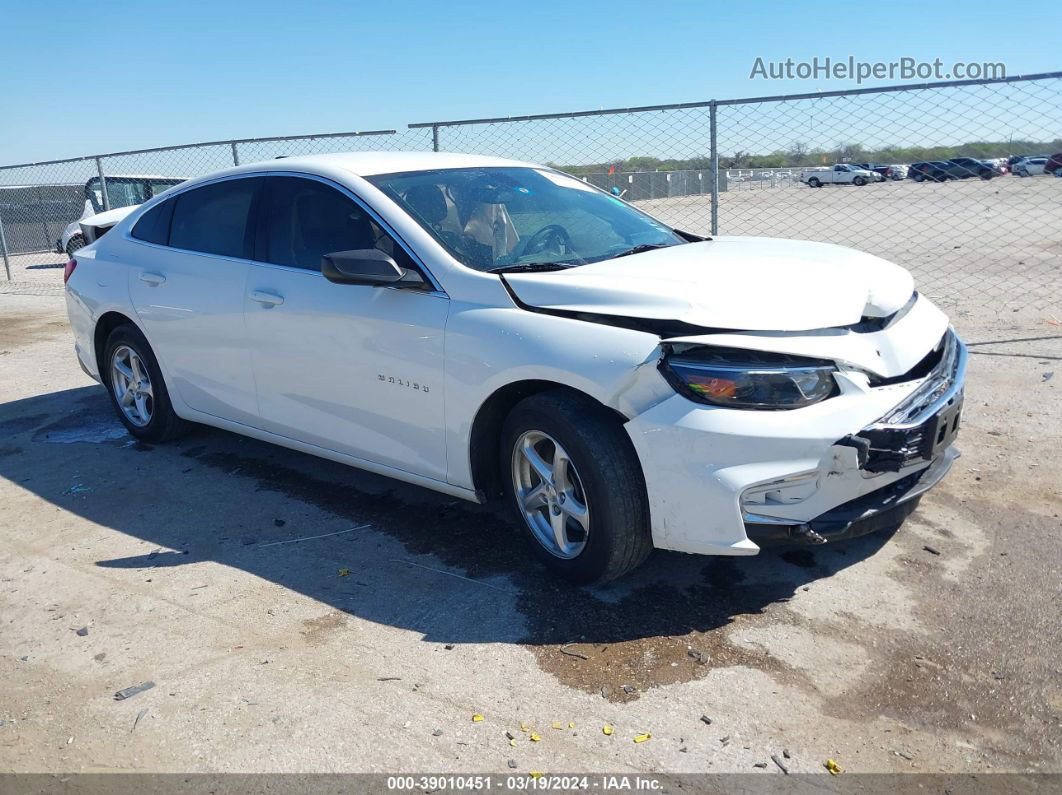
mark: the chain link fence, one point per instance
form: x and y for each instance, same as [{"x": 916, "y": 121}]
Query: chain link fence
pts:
[{"x": 945, "y": 195}]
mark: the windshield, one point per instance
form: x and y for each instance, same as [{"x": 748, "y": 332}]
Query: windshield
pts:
[{"x": 491, "y": 218}]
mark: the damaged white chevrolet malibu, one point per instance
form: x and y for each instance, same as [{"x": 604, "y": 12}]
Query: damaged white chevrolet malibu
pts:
[{"x": 489, "y": 328}]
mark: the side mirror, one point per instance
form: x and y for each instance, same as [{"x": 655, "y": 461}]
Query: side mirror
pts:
[{"x": 366, "y": 266}]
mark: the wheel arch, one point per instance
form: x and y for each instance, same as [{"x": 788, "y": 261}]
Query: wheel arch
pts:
[
  {"x": 107, "y": 323},
  {"x": 487, "y": 426}
]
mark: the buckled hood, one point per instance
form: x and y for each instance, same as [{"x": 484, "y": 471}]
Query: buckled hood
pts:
[{"x": 739, "y": 283}]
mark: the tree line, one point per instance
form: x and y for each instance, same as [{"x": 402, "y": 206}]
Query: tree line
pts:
[{"x": 799, "y": 154}]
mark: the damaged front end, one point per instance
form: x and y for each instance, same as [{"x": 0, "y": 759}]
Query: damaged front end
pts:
[{"x": 800, "y": 438}]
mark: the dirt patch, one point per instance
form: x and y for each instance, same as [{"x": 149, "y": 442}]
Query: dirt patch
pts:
[
  {"x": 26, "y": 328},
  {"x": 319, "y": 630}
]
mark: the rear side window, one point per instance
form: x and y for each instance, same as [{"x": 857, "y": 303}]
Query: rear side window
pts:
[
  {"x": 154, "y": 225},
  {"x": 213, "y": 219},
  {"x": 302, "y": 220}
]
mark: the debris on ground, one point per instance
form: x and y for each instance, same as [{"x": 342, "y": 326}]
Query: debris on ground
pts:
[
  {"x": 760, "y": 765},
  {"x": 725, "y": 741},
  {"x": 129, "y": 692},
  {"x": 557, "y": 725},
  {"x": 606, "y": 730},
  {"x": 344, "y": 572},
  {"x": 437, "y": 733},
  {"x": 509, "y": 735},
  {"x": 571, "y": 724},
  {"x": 279, "y": 523},
  {"x": 389, "y": 679},
  {"x": 564, "y": 650},
  {"x": 139, "y": 716},
  {"x": 834, "y": 768},
  {"x": 701, "y": 657},
  {"x": 449, "y": 647},
  {"x": 524, "y": 727},
  {"x": 706, "y": 720},
  {"x": 477, "y": 718},
  {"x": 536, "y": 774},
  {"x": 81, "y": 632},
  {"x": 628, "y": 689},
  {"x": 641, "y": 738},
  {"x": 931, "y": 550},
  {"x": 785, "y": 753},
  {"x": 535, "y": 737},
  {"x": 512, "y": 764},
  {"x": 777, "y": 761},
  {"x": 1049, "y": 375}
]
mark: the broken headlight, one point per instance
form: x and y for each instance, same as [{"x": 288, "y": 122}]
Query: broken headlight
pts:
[{"x": 748, "y": 379}]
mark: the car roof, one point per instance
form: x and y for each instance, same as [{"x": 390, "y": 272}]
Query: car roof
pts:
[{"x": 365, "y": 164}]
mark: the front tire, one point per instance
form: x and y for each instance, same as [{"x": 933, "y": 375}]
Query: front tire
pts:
[
  {"x": 859, "y": 181},
  {"x": 133, "y": 379},
  {"x": 576, "y": 485}
]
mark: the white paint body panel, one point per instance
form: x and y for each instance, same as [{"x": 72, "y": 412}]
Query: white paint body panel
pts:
[{"x": 306, "y": 373}]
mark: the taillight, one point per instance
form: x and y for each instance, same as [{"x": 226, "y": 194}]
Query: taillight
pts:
[{"x": 68, "y": 271}]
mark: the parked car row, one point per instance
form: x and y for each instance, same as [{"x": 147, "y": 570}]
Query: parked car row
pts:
[{"x": 1034, "y": 165}]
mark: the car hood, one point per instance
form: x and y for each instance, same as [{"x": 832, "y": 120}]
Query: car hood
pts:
[
  {"x": 739, "y": 283},
  {"x": 108, "y": 217}
]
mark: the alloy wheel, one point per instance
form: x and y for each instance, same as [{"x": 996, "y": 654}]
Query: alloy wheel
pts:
[
  {"x": 132, "y": 386},
  {"x": 550, "y": 494}
]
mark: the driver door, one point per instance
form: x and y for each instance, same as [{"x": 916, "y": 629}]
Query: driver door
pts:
[{"x": 356, "y": 369}]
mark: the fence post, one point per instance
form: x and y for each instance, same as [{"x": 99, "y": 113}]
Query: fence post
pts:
[
  {"x": 3, "y": 248},
  {"x": 714, "y": 184},
  {"x": 435, "y": 138},
  {"x": 235, "y": 154},
  {"x": 103, "y": 184}
]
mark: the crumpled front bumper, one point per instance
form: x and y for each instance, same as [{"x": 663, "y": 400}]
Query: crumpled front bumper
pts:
[
  {"x": 885, "y": 508},
  {"x": 724, "y": 482}
]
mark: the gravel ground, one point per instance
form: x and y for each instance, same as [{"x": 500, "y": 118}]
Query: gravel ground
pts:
[{"x": 935, "y": 649}]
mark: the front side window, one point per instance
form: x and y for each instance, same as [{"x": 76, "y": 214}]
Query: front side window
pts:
[
  {"x": 490, "y": 218},
  {"x": 303, "y": 219},
  {"x": 213, "y": 219}
]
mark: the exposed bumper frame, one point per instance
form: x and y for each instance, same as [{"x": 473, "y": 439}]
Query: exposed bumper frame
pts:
[{"x": 885, "y": 508}]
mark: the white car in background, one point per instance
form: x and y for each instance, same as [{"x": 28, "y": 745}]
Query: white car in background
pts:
[
  {"x": 1029, "y": 166},
  {"x": 123, "y": 191},
  {"x": 489, "y": 328},
  {"x": 840, "y": 174}
]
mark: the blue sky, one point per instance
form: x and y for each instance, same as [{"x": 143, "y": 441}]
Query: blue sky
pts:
[{"x": 130, "y": 75}]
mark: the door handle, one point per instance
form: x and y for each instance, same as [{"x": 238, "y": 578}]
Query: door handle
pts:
[
  {"x": 266, "y": 299},
  {"x": 154, "y": 279}
]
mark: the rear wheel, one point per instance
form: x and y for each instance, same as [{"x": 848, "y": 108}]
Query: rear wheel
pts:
[
  {"x": 814, "y": 183},
  {"x": 131, "y": 374},
  {"x": 919, "y": 177},
  {"x": 577, "y": 487},
  {"x": 75, "y": 243},
  {"x": 985, "y": 174}
]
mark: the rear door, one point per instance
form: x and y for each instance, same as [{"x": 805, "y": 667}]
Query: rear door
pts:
[
  {"x": 188, "y": 290},
  {"x": 351, "y": 368}
]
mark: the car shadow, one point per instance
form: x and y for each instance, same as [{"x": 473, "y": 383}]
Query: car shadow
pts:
[{"x": 385, "y": 552}]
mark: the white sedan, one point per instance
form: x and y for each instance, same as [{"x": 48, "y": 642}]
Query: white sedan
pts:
[
  {"x": 1030, "y": 166},
  {"x": 489, "y": 328}
]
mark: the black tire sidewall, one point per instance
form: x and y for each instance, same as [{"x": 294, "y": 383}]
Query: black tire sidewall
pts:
[
  {"x": 163, "y": 417},
  {"x": 616, "y": 508}
]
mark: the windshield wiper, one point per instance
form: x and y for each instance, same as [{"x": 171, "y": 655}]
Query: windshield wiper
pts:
[
  {"x": 532, "y": 267},
  {"x": 643, "y": 247}
]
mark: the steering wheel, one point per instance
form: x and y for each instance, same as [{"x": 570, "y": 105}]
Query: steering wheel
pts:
[{"x": 544, "y": 238}]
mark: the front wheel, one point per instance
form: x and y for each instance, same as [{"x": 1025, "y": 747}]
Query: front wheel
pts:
[
  {"x": 577, "y": 487},
  {"x": 860, "y": 181},
  {"x": 133, "y": 379},
  {"x": 919, "y": 178},
  {"x": 985, "y": 174}
]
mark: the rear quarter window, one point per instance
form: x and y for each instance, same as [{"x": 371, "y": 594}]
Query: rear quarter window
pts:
[{"x": 154, "y": 225}]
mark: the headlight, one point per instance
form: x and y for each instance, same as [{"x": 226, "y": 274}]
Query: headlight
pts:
[{"x": 749, "y": 380}]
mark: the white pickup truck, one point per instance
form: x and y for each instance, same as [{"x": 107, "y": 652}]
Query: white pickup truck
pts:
[{"x": 840, "y": 174}]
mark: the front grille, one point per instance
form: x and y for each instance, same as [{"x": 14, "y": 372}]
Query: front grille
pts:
[{"x": 921, "y": 425}]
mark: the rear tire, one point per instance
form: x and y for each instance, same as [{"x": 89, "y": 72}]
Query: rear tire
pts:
[
  {"x": 75, "y": 243},
  {"x": 138, "y": 393},
  {"x": 599, "y": 478},
  {"x": 814, "y": 183},
  {"x": 985, "y": 175},
  {"x": 919, "y": 178}
]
